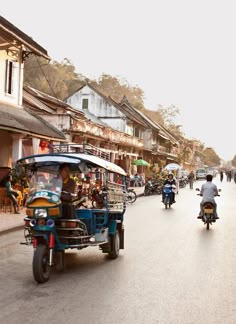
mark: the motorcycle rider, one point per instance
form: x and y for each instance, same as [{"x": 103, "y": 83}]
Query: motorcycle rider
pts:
[
  {"x": 208, "y": 192},
  {"x": 170, "y": 181}
]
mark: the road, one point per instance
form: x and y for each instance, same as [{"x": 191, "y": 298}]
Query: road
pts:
[{"x": 171, "y": 271}]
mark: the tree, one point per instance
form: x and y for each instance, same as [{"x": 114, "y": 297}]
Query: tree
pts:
[
  {"x": 168, "y": 114},
  {"x": 210, "y": 157},
  {"x": 58, "y": 79},
  {"x": 234, "y": 161},
  {"x": 118, "y": 88}
]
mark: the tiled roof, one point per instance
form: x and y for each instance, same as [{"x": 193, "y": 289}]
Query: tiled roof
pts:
[
  {"x": 112, "y": 102},
  {"x": 29, "y": 99},
  {"x": 51, "y": 102},
  {"x": 133, "y": 113},
  {"x": 22, "y": 120}
]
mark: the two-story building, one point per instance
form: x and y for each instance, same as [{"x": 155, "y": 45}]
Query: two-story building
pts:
[
  {"x": 83, "y": 129},
  {"x": 20, "y": 130},
  {"x": 158, "y": 144}
]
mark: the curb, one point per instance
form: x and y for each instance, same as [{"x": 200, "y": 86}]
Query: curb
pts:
[
  {"x": 140, "y": 195},
  {"x": 11, "y": 229}
]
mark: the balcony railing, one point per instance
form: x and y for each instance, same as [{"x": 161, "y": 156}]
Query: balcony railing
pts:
[
  {"x": 164, "y": 150},
  {"x": 81, "y": 148}
]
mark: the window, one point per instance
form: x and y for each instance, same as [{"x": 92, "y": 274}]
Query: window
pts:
[
  {"x": 85, "y": 104},
  {"x": 9, "y": 77},
  {"x": 136, "y": 132}
]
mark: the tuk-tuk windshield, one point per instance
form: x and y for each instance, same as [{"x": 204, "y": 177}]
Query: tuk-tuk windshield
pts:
[{"x": 43, "y": 181}]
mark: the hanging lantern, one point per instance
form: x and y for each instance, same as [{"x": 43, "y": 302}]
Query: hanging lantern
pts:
[{"x": 43, "y": 145}]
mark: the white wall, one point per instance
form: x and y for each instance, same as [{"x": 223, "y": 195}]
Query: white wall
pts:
[
  {"x": 99, "y": 107},
  {"x": 16, "y": 97}
]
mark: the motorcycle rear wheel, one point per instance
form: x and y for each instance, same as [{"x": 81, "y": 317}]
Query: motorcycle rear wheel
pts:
[
  {"x": 146, "y": 192},
  {"x": 131, "y": 196}
]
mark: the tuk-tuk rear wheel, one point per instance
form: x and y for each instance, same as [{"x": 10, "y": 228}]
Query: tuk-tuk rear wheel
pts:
[
  {"x": 41, "y": 268},
  {"x": 115, "y": 246}
]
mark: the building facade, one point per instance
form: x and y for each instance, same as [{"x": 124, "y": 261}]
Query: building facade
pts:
[{"x": 19, "y": 129}]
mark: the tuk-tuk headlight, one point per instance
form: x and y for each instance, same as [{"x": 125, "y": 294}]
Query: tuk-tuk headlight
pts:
[
  {"x": 50, "y": 223},
  {"x": 33, "y": 222},
  {"x": 40, "y": 213}
]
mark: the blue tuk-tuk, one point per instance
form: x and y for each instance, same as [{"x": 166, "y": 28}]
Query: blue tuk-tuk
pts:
[{"x": 50, "y": 231}]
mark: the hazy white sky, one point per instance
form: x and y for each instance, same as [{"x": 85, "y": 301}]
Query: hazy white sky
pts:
[{"x": 179, "y": 52}]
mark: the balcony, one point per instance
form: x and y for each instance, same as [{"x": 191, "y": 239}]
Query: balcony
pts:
[{"x": 162, "y": 150}]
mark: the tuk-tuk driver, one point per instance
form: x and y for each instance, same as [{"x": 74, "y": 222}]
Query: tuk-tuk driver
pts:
[{"x": 68, "y": 184}]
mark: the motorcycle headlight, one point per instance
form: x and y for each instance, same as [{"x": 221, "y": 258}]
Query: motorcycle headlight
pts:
[{"x": 40, "y": 213}]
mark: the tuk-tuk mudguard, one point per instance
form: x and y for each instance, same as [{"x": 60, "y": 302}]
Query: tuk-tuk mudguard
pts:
[
  {"x": 112, "y": 227},
  {"x": 42, "y": 237}
]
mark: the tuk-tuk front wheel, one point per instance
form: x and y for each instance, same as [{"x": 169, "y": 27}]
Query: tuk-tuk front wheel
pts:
[
  {"x": 41, "y": 268},
  {"x": 115, "y": 246}
]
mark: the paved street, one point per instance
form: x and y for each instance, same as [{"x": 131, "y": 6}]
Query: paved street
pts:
[{"x": 172, "y": 271}]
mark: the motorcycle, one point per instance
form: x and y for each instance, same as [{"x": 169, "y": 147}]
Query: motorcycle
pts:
[
  {"x": 98, "y": 198},
  {"x": 131, "y": 196},
  {"x": 183, "y": 182},
  {"x": 152, "y": 187},
  {"x": 208, "y": 212},
  {"x": 168, "y": 195}
]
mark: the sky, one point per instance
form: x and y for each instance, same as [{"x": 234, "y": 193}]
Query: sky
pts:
[{"x": 180, "y": 52}]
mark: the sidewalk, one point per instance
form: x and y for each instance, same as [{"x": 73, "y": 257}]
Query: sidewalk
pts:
[{"x": 10, "y": 222}]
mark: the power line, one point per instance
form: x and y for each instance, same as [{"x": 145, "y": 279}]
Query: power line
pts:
[
  {"x": 40, "y": 66},
  {"x": 46, "y": 78}
]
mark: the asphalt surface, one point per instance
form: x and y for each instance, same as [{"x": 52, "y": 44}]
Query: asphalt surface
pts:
[{"x": 172, "y": 271}]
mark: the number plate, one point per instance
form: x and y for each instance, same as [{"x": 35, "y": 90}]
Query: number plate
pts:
[{"x": 208, "y": 210}]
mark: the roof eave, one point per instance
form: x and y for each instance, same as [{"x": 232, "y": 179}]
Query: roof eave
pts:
[{"x": 33, "y": 46}]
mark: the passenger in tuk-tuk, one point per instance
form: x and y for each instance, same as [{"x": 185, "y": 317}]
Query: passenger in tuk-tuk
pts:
[{"x": 68, "y": 186}]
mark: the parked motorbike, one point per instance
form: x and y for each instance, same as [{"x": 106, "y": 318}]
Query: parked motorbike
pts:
[
  {"x": 168, "y": 195},
  {"x": 98, "y": 198},
  {"x": 152, "y": 187},
  {"x": 208, "y": 212},
  {"x": 183, "y": 182},
  {"x": 131, "y": 196}
]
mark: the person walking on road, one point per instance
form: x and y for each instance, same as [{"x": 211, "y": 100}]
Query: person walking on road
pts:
[
  {"x": 191, "y": 179},
  {"x": 221, "y": 176}
]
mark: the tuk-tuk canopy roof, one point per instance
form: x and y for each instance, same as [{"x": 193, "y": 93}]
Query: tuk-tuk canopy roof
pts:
[{"x": 75, "y": 160}]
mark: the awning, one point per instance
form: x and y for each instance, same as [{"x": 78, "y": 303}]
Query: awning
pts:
[
  {"x": 21, "y": 120},
  {"x": 51, "y": 160}
]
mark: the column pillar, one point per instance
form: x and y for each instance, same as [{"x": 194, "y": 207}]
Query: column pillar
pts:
[
  {"x": 35, "y": 145},
  {"x": 16, "y": 147}
]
